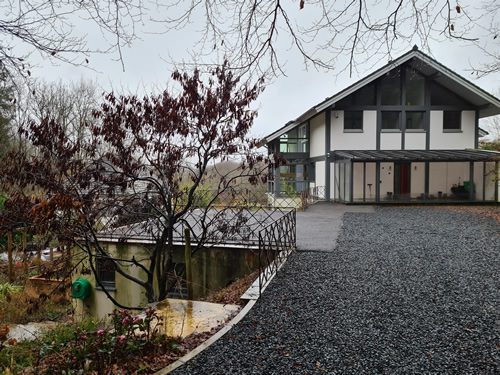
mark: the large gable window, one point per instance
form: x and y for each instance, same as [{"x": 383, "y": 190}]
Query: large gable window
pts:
[
  {"x": 296, "y": 140},
  {"x": 415, "y": 88},
  {"x": 390, "y": 88},
  {"x": 353, "y": 121}
]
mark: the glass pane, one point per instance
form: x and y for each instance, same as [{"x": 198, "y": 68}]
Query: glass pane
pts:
[
  {"x": 390, "y": 120},
  {"x": 391, "y": 88},
  {"x": 365, "y": 95},
  {"x": 415, "y": 88},
  {"x": 353, "y": 120},
  {"x": 442, "y": 96},
  {"x": 414, "y": 120},
  {"x": 451, "y": 120}
]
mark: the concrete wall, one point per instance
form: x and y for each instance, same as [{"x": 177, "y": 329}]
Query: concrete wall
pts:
[{"x": 213, "y": 269}]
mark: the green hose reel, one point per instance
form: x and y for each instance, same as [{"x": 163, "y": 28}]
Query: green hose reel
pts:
[{"x": 80, "y": 289}]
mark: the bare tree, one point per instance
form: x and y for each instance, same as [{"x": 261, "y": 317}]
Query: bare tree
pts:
[
  {"x": 138, "y": 151},
  {"x": 254, "y": 35},
  {"x": 53, "y": 29}
]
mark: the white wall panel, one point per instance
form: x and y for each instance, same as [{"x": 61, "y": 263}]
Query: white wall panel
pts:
[
  {"x": 390, "y": 141},
  {"x": 365, "y": 140},
  {"x": 452, "y": 140},
  {"x": 317, "y": 135},
  {"x": 415, "y": 141}
]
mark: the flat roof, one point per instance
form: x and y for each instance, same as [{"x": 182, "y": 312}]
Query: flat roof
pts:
[{"x": 417, "y": 155}]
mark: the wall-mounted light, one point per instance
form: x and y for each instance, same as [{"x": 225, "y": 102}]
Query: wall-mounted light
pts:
[
  {"x": 336, "y": 115},
  {"x": 415, "y": 167},
  {"x": 328, "y": 155}
]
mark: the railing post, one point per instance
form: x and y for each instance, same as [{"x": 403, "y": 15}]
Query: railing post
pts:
[
  {"x": 187, "y": 255},
  {"x": 9, "y": 257},
  {"x": 25, "y": 251}
]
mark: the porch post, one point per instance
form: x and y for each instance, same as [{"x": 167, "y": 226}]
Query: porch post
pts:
[
  {"x": 427, "y": 173},
  {"x": 496, "y": 182},
  {"x": 328, "y": 153},
  {"x": 471, "y": 181},
  {"x": 351, "y": 178},
  {"x": 377, "y": 181},
  {"x": 364, "y": 181}
]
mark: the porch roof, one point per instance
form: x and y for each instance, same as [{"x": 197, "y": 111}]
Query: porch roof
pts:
[{"x": 417, "y": 155}]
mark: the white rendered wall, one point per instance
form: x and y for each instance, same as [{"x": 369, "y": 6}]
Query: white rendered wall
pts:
[
  {"x": 365, "y": 140},
  {"x": 390, "y": 141},
  {"x": 334, "y": 170},
  {"x": 442, "y": 176},
  {"x": 478, "y": 181},
  {"x": 417, "y": 171},
  {"x": 415, "y": 141},
  {"x": 317, "y": 135},
  {"x": 357, "y": 190},
  {"x": 386, "y": 179},
  {"x": 371, "y": 182},
  {"x": 440, "y": 140},
  {"x": 320, "y": 173},
  {"x": 490, "y": 182}
]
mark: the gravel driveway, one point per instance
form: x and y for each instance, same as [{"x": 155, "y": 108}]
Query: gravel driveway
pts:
[{"x": 406, "y": 291}]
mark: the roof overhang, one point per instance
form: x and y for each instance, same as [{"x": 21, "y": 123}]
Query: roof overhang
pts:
[
  {"x": 487, "y": 104},
  {"x": 416, "y": 155}
]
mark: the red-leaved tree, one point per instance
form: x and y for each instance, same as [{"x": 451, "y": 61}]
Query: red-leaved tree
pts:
[{"x": 138, "y": 171}]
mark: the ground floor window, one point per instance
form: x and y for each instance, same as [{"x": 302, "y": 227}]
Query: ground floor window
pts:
[
  {"x": 294, "y": 178},
  {"x": 105, "y": 272}
]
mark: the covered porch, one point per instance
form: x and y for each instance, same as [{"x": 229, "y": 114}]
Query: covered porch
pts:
[{"x": 425, "y": 176}]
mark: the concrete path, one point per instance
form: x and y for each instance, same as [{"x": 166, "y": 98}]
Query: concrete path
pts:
[{"x": 320, "y": 224}]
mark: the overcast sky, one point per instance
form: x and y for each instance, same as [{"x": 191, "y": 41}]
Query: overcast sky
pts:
[{"x": 147, "y": 68}]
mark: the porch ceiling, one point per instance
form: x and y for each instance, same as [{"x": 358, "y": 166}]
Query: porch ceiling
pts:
[{"x": 417, "y": 155}]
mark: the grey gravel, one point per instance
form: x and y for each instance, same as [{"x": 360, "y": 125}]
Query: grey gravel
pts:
[{"x": 406, "y": 291}]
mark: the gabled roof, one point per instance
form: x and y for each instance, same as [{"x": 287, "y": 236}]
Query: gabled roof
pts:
[{"x": 488, "y": 104}]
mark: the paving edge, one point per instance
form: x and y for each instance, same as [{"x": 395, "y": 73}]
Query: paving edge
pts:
[{"x": 183, "y": 360}]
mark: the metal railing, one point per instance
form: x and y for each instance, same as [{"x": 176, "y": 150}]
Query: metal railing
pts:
[
  {"x": 276, "y": 242},
  {"x": 313, "y": 195}
]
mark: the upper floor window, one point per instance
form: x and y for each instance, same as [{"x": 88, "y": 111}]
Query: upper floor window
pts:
[
  {"x": 415, "y": 120},
  {"x": 415, "y": 88},
  {"x": 296, "y": 140},
  {"x": 390, "y": 88},
  {"x": 353, "y": 120},
  {"x": 452, "y": 120},
  {"x": 391, "y": 120}
]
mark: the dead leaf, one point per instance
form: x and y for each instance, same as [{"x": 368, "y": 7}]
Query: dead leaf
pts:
[
  {"x": 458, "y": 9},
  {"x": 452, "y": 27},
  {"x": 301, "y": 4}
]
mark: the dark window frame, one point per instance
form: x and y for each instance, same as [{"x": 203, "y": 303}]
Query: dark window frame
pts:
[
  {"x": 105, "y": 273},
  {"x": 388, "y": 130},
  {"x": 353, "y": 121},
  {"x": 457, "y": 121}
]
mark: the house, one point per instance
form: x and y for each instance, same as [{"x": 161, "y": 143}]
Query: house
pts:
[{"x": 407, "y": 132}]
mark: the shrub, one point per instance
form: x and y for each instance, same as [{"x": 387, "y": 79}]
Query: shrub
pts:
[{"x": 97, "y": 350}]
